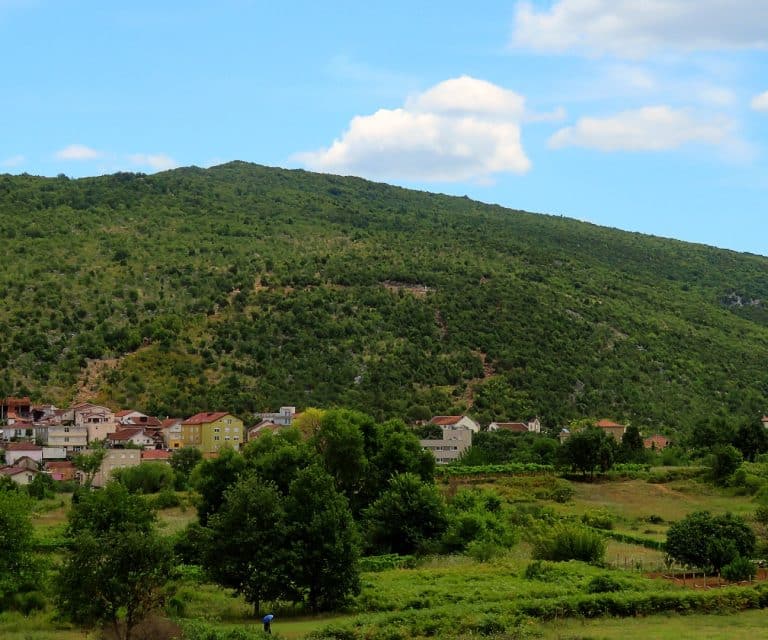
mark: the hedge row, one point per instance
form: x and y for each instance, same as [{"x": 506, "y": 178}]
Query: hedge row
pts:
[{"x": 516, "y": 468}]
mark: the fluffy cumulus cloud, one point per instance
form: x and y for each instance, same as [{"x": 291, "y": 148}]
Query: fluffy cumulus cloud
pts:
[
  {"x": 154, "y": 161},
  {"x": 77, "y": 152},
  {"x": 760, "y": 102},
  {"x": 654, "y": 128},
  {"x": 460, "y": 129},
  {"x": 630, "y": 28}
]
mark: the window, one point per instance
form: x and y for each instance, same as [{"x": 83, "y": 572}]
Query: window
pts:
[
  {"x": 229, "y": 420},
  {"x": 216, "y": 430},
  {"x": 226, "y": 437},
  {"x": 237, "y": 437},
  {"x": 66, "y": 429},
  {"x": 66, "y": 439},
  {"x": 217, "y": 437}
]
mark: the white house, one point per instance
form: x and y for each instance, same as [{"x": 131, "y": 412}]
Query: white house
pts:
[
  {"x": 450, "y": 447},
  {"x": 454, "y": 423},
  {"x": 16, "y": 450},
  {"x": 283, "y": 418},
  {"x": 531, "y": 426}
]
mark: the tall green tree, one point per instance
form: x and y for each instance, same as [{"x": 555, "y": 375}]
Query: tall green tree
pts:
[
  {"x": 88, "y": 463},
  {"x": 751, "y": 439},
  {"x": 249, "y": 550},
  {"x": 632, "y": 448},
  {"x": 17, "y": 566},
  {"x": 588, "y": 450},
  {"x": 323, "y": 539},
  {"x": 112, "y": 508},
  {"x": 212, "y": 477},
  {"x": 114, "y": 579},
  {"x": 183, "y": 461},
  {"x": 408, "y": 514}
]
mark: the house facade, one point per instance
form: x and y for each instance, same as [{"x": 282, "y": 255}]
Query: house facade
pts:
[
  {"x": 455, "y": 423},
  {"x": 211, "y": 431},
  {"x": 451, "y": 446},
  {"x": 14, "y": 451},
  {"x": 69, "y": 437},
  {"x": 612, "y": 428},
  {"x": 20, "y": 475},
  {"x": 116, "y": 459}
]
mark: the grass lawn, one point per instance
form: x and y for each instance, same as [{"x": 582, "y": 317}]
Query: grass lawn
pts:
[{"x": 740, "y": 626}]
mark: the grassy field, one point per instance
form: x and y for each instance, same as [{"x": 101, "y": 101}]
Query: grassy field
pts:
[
  {"x": 458, "y": 597},
  {"x": 742, "y": 626}
]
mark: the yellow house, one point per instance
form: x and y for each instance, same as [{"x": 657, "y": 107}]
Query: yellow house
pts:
[{"x": 209, "y": 432}]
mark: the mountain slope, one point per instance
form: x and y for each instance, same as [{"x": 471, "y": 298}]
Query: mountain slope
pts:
[{"x": 245, "y": 287}]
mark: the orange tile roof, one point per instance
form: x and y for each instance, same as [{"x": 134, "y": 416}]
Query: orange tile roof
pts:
[
  {"x": 22, "y": 446},
  {"x": 605, "y": 424},
  {"x": 155, "y": 454},
  {"x": 205, "y": 417},
  {"x": 445, "y": 420}
]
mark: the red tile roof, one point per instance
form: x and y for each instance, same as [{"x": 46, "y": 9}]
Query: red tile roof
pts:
[
  {"x": 515, "y": 427},
  {"x": 205, "y": 417},
  {"x": 169, "y": 422},
  {"x": 125, "y": 434},
  {"x": 146, "y": 421},
  {"x": 606, "y": 424},
  {"x": 123, "y": 412},
  {"x": 656, "y": 442},
  {"x": 155, "y": 454},
  {"x": 59, "y": 464},
  {"x": 445, "y": 420},
  {"x": 22, "y": 446},
  {"x": 12, "y": 471}
]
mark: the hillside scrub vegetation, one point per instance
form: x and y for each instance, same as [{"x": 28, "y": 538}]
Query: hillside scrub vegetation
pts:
[{"x": 247, "y": 288}]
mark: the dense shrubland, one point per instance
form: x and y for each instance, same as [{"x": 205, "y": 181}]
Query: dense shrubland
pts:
[{"x": 246, "y": 288}]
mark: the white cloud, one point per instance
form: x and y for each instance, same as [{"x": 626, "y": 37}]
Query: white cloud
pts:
[
  {"x": 629, "y": 28},
  {"x": 156, "y": 161},
  {"x": 460, "y": 129},
  {"x": 760, "y": 102},
  {"x": 654, "y": 128},
  {"x": 14, "y": 161},
  {"x": 77, "y": 152}
]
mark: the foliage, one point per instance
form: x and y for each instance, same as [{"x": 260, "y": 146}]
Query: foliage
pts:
[
  {"x": 183, "y": 461},
  {"x": 632, "y": 448},
  {"x": 477, "y": 523},
  {"x": 41, "y": 487},
  {"x": 588, "y": 450},
  {"x": 89, "y": 463},
  {"x": 17, "y": 567},
  {"x": 114, "y": 578},
  {"x": 709, "y": 542},
  {"x": 725, "y": 460},
  {"x": 510, "y": 468},
  {"x": 570, "y": 542},
  {"x": 211, "y": 479},
  {"x": 739, "y": 569},
  {"x": 247, "y": 548},
  {"x": 502, "y": 447},
  {"x": 408, "y": 514},
  {"x": 147, "y": 477},
  {"x": 751, "y": 439},
  {"x": 323, "y": 540},
  {"x": 376, "y": 298},
  {"x": 112, "y": 508}
]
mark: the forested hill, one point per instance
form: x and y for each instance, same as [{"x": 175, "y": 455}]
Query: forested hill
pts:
[{"x": 244, "y": 288}]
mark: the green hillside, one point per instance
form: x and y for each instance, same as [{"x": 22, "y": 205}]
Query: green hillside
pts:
[{"x": 245, "y": 287}]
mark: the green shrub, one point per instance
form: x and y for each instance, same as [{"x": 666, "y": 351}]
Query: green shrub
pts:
[
  {"x": 570, "y": 542},
  {"x": 761, "y": 514},
  {"x": 605, "y": 584},
  {"x": 484, "y": 550},
  {"x": 28, "y": 602},
  {"x": 599, "y": 520},
  {"x": 739, "y": 569},
  {"x": 386, "y": 561},
  {"x": 166, "y": 499}
]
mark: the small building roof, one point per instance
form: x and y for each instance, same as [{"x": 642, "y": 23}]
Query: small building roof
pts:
[
  {"x": 445, "y": 420},
  {"x": 22, "y": 446},
  {"x": 13, "y": 471},
  {"x": 125, "y": 434},
  {"x": 155, "y": 454},
  {"x": 607, "y": 424},
  {"x": 514, "y": 427},
  {"x": 206, "y": 417}
]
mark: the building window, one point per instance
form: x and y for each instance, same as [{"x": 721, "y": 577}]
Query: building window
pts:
[
  {"x": 216, "y": 430},
  {"x": 217, "y": 437},
  {"x": 66, "y": 439},
  {"x": 226, "y": 437},
  {"x": 66, "y": 429}
]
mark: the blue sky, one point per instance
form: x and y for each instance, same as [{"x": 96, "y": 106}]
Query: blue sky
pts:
[{"x": 645, "y": 115}]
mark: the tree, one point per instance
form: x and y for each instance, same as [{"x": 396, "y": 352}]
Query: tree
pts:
[
  {"x": 588, "y": 450},
  {"x": 725, "y": 460},
  {"x": 89, "y": 463},
  {"x": 114, "y": 578},
  {"x": 110, "y": 509},
  {"x": 751, "y": 439},
  {"x": 709, "y": 542},
  {"x": 16, "y": 563},
  {"x": 632, "y": 448},
  {"x": 324, "y": 540},
  {"x": 211, "y": 479},
  {"x": 277, "y": 458},
  {"x": 409, "y": 513},
  {"x": 247, "y": 550},
  {"x": 183, "y": 461}
]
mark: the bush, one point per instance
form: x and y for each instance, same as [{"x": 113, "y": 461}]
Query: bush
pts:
[
  {"x": 599, "y": 520},
  {"x": 605, "y": 584},
  {"x": 484, "y": 550},
  {"x": 570, "y": 542},
  {"x": 739, "y": 569},
  {"x": 166, "y": 499},
  {"x": 761, "y": 514},
  {"x": 148, "y": 477}
]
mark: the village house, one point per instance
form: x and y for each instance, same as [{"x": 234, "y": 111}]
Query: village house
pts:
[
  {"x": 61, "y": 470},
  {"x": 98, "y": 420},
  {"x": 172, "y": 434},
  {"x": 115, "y": 459},
  {"x": 70, "y": 437},
  {"x": 283, "y": 418},
  {"x": 134, "y": 437},
  {"x": 451, "y": 446},
  {"x": 262, "y": 427},
  {"x": 14, "y": 451},
  {"x": 531, "y": 426},
  {"x": 210, "y": 431},
  {"x": 656, "y": 442},
  {"x": 156, "y": 455},
  {"x": 612, "y": 428},
  {"x": 453, "y": 423},
  {"x": 20, "y": 475}
]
